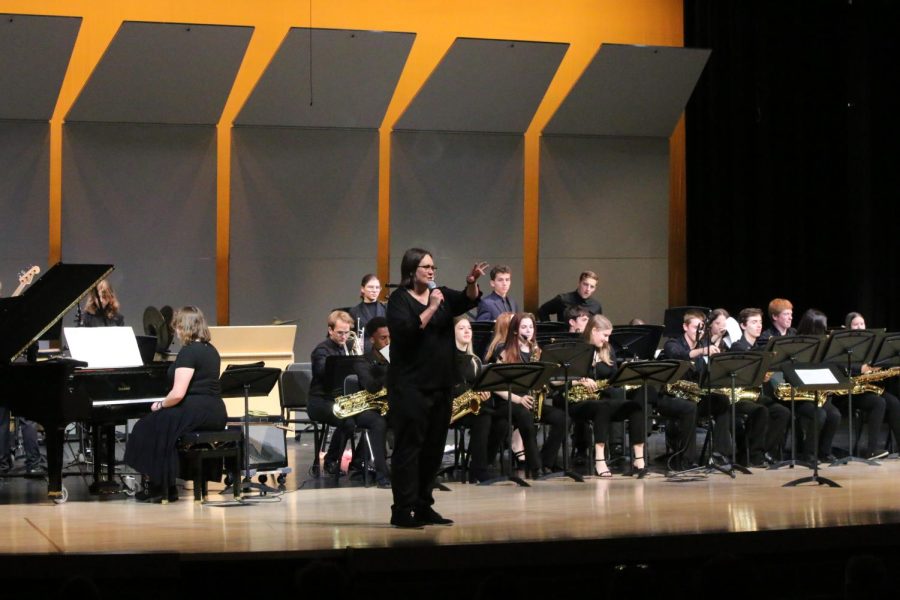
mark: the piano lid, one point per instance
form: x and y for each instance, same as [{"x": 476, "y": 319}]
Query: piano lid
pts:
[{"x": 25, "y": 318}]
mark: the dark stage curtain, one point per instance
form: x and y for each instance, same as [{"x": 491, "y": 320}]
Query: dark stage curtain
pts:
[{"x": 793, "y": 178}]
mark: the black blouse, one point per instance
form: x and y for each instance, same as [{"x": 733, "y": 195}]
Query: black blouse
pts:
[{"x": 204, "y": 359}]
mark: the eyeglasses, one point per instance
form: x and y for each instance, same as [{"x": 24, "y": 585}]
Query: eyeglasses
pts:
[{"x": 428, "y": 267}]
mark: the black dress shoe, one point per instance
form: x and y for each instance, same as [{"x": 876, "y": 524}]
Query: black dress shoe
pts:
[
  {"x": 383, "y": 483},
  {"x": 406, "y": 519},
  {"x": 333, "y": 467},
  {"x": 429, "y": 516},
  {"x": 35, "y": 472}
]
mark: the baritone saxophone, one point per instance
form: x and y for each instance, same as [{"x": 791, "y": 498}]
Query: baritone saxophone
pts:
[{"x": 361, "y": 401}]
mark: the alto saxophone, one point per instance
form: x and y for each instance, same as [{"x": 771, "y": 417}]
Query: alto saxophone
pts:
[
  {"x": 537, "y": 406},
  {"x": 689, "y": 390},
  {"x": 783, "y": 393},
  {"x": 579, "y": 392},
  {"x": 467, "y": 402},
  {"x": 361, "y": 401}
]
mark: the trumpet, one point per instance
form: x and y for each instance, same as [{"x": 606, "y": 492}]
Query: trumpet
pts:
[{"x": 354, "y": 344}]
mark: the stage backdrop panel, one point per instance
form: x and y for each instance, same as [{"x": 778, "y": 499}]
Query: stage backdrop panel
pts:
[
  {"x": 143, "y": 198},
  {"x": 459, "y": 196},
  {"x": 34, "y": 54},
  {"x": 304, "y": 225},
  {"x": 604, "y": 208},
  {"x": 172, "y": 73},
  {"x": 25, "y": 164}
]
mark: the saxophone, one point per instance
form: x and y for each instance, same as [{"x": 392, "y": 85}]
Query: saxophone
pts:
[
  {"x": 537, "y": 407},
  {"x": 689, "y": 390},
  {"x": 580, "y": 393},
  {"x": 783, "y": 393},
  {"x": 467, "y": 402},
  {"x": 357, "y": 402},
  {"x": 866, "y": 382}
]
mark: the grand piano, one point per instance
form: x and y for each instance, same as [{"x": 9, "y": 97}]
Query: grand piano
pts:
[{"x": 61, "y": 391}]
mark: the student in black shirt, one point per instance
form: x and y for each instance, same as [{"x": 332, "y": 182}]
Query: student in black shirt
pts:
[{"x": 582, "y": 296}]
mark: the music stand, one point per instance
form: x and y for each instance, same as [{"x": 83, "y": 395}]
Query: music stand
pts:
[
  {"x": 238, "y": 381},
  {"x": 635, "y": 341},
  {"x": 737, "y": 369},
  {"x": 571, "y": 360},
  {"x": 789, "y": 350},
  {"x": 816, "y": 378},
  {"x": 657, "y": 372},
  {"x": 556, "y": 337},
  {"x": 858, "y": 346},
  {"x": 507, "y": 378}
]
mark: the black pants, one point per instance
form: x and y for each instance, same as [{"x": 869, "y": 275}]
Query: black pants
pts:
[
  {"x": 828, "y": 418},
  {"x": 892, "y": 416},
  {"x": 29, "y": 442},
  {"x": 757, "y": 417},
  {"x": 486, "y": 433},
  {"x": 376, "y": 426},
  {"x": 420, "y": 420},
  {"x": 556, "y": 419},
  {"x": 523, "y": 420},
  {"x": 607, "y": 410},
  {"x": 873, "y": 408},
  {"x": 683, "y": 414},
  {"x": 779, "y": 420}
]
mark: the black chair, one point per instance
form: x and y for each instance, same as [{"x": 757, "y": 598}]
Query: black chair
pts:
[
  {"x": 351, "y": 386},
  {"x": 197, "y": 447},
  {"x": 295, "y": 382}
]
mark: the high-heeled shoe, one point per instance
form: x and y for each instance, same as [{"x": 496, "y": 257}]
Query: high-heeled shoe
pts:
[
  {"x": 519, "y": 460},
  {"x": 606, "y": 473},
  {"x": 638, "y": 472},
  {"x": 149, "y": 492}
]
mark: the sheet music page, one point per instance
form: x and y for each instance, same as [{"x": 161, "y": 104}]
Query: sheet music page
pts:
[
  {"x": 816, "y": 376},
  {"x": 104, "y": 347}
]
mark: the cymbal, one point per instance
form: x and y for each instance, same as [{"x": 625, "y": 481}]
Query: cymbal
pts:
[{"x": 156, "y": 324}]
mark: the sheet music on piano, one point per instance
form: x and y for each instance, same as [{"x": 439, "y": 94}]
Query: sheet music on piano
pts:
[{"x": 104, "y": 347}]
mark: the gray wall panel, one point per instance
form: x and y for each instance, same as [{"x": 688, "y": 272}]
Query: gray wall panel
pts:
[
  {"x": 24, "y": 162},
  {"x": 304, "y": 225},
  {"x": 604, "y": 207},
  {"x": 460, "y": 196},
  {"x": 34, "y": 55},
  {"x": 143, "y": 197}
]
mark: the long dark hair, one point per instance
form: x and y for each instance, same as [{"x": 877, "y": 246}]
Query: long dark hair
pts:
[
  {"x": 94, "y": 304},
  {"x": 409, "y": 264},
  {"x": 813, "y": 322},
  {"x": 511, "y": 353}
]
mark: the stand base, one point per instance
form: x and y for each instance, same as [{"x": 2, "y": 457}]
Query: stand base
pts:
[
  {"x": 503, "y": 479},
  {"x": 104, "y": 488},
  {"x": 564, "y": 473},
  {"x": 790, "y": 464},
  {"x": 440, "y": 487},
  {"x": 812, "y": 479},
  {"x": 247, "y": 485},
  {"x": 849, "y": 459}
]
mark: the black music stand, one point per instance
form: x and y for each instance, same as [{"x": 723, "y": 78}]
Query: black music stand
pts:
[
  {"x": 508, "y": 378},
  {"x": 737, "y": 369},
  {"x": 482, "y": 332},
  {"x": 556, "y": 337},
  {"x": 243, "y": 381},
  {"x": 858, "y": 346},
  {"x": 572, "y": 360},
  {"x": 644, "y": 373},
  {"x": 638, "y": 342},
  {"x": 790, "y": 350},
  {"x": 818, "y": 378}
]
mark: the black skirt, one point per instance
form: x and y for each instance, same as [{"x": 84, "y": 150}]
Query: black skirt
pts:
[{"x": 151, "y": 445}]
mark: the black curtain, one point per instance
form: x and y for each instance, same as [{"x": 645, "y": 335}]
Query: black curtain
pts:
[{"x": 793, "y": 178}]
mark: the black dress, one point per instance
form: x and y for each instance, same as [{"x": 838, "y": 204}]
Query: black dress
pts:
[{"x": 151, "y": 444}]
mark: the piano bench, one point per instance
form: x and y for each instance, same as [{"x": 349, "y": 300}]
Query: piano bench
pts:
[{"x": 198, "y": 446}]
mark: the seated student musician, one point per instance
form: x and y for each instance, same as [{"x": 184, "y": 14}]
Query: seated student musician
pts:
[
  {"x": 779, "y": 416},
  {"x": 582, "y": 296},
  {"x": 612, "y": 403},
  {"x": 521, "y": 347},
  {"x": 370, "y": 307},
  {"x": 498, "y": 301},
  {"x": 682, "y": 411},
  {"x": 102, "y": 308},
  {"x": 372, "y": 373},
  {"x": 487, "y": 429},
  {"x": 781, "y": 313},
  {"x": 871, "y": 402},
  {"x": 320, "y": 406},
  {"x": 577, "y": 317},
  {"x": 501, "y": 327},
  {"x": 814, "y": 322}
]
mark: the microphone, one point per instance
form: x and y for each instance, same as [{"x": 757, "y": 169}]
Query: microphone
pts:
[{"x": 431, "y": 284}]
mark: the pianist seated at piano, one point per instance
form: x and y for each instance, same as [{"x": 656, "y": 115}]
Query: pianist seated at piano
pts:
[
  {"x": 194, "y": 403},
  {"x": 102, "y": 308}
]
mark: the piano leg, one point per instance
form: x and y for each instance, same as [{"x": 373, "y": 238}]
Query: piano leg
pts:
[
  {"x": 103, "y": 439},
  {"x": 53, "y": 438}
]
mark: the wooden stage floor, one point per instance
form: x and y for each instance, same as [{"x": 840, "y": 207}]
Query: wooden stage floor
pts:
[{"x": 619, "y": 519}]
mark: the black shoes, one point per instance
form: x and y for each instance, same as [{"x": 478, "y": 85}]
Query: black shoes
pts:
[
  {"x": 406, "y": 519},
  {"x": 153, "y": 494},
  {"x": 429, "y": 516},
  {"x": 333, "y": 467},
  {"x": 383, "y": 483}
]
